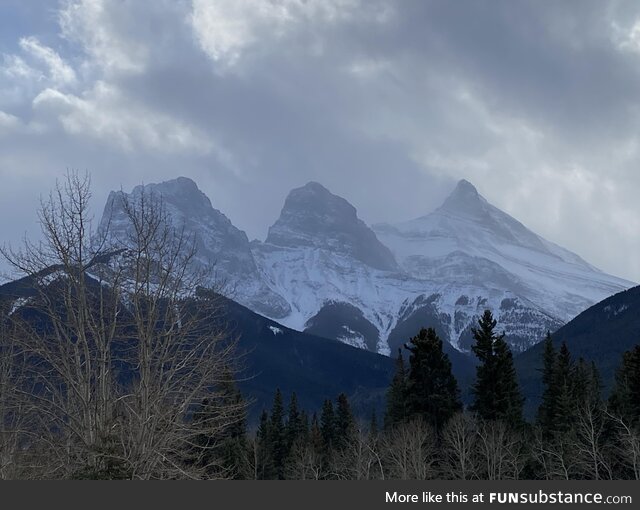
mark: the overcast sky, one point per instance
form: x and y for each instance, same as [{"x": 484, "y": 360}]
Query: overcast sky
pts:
[{"x": 387, "y": 103}]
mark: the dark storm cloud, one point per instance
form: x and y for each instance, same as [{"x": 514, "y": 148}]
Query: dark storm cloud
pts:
[{"x": 386, "y": 103}]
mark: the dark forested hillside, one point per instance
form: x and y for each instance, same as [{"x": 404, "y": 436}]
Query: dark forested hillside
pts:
[
  {"x": 272, "y": 356},
  {"x": 315, "y": 368},
  {"x": 600, "y": 334}
]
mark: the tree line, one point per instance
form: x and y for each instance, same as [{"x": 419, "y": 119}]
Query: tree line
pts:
[
  {"x": 427, "y": 433},
  {"x": 112, "y": 367}
]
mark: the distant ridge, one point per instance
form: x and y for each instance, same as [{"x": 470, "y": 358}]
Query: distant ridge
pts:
[{"x": 322, "y": 269}]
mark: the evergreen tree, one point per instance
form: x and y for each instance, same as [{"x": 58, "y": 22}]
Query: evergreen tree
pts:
[
  {"x": 316, "y": 439},
  {"x": 581, "y": 383},
  {"x": 373, "y": 424},
  {"x": 509, "y": 399},
  {"x": 277, "y": 436},
  {"x": 496, "y": 391},
  {"x": 396, "y": 411},
  {"x": 563, "y": 381},
  {"x": 432, "y": 390},
  {"x": 294, "y": 429},
  {"x": 304, "y": 427},
  {"x": 625, "y": 397},
  {"x": 484, "y": 389},
  {"x": 596, "y": 383},
  {"x": 263, "y": 437},
  {"x": 344, "y": 422},
  {"x": 263, "y": 426},
  {"x": 328, "y": 425},
  {"x": 549, "y": 405},
  {"x": 233, "y": 447},
  {"x": 224, "y": 454}
]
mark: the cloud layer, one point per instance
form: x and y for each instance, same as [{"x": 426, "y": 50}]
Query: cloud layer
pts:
[{"x": 386, "y": 103}]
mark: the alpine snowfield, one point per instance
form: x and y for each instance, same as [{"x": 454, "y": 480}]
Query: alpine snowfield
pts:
[{"x": 322, "y": 269}]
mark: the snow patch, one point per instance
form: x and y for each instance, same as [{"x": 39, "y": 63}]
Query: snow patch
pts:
[
  {"x": 612, "y": 311},
  {"x": 352, "y": 338}
]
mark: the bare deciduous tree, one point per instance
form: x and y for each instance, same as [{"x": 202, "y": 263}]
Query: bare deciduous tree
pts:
[
  {"x": 120, "y": 348},
  {"x": 460, "y": 443},
  {"x": 555, "y": 456},
  {"x": 305, "y": 462},
  {"x": 592, "y": 456},
  {"x": 627, "y": 446},
  {"x": 500, "y": 451},
  {"x": 67, "y": 328},
  {"x": 179, "y": 357},
  {"x": 359, "y": 459},
  {"x": 409, "y": 451},
  {"x": 14, "y": 411}
]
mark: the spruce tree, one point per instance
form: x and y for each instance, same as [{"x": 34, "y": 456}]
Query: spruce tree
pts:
[
  {"x": 328, "y": 424},
  {"x": 496, "y": 391},
  {"x": 263, "y": 437},
  {"x": 316, "y": 439},
  {"x": 484, "y": 388},
  {"x": 344, "y": 422},
  {"x": 263, "y": 426},
  {"x": 304, "y": 426},
  {"x": 563, "y": 380},
  {"x": 549, "y": 404},
  {"x": 222, "y": 454},
  {"x": 432, "y": 390},
  {"x": 317, "y": 442},
  {"x": 625, "y": 397},
  {"x": 509, "y": 399},
  {"x": 396, "y": 411},
  {"x": 233, "y": 444},
  {"x": 294, "y": 422},
  {"x": 277, "y": 436},
  {"x": 373, "y": 424},
  {"x": 595, "y": 383},
  {"x": 582, "y": 383}
]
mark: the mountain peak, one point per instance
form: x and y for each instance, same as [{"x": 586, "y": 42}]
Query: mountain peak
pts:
[
  {"x": 180, "y": 187},
  {"x": 465, "y": 186},
  {"x": 314, "y": 187},
  {"x": 312, "y": 216},
  {"x": 216, "y": 240},
  {"x": 182, "y": 182},
  {"x": 314, "y": 202},
  {"x": 465, "y": 199}
]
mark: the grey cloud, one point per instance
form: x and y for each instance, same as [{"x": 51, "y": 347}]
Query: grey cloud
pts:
[{"x": 535, "y": 102}]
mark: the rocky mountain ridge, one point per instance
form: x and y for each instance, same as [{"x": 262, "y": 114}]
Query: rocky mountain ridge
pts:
[{"x": 321, "y": 269}]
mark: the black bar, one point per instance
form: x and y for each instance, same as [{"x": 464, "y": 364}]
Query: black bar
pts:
[{"x": 309, "y": 495}]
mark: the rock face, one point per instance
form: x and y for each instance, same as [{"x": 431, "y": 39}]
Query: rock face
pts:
[
  {"x": 312, "y": 217},
  {"x": 322, "y": 269},
  {"x": 331, "y": 268},
  {"x": 220, "y": 245}
]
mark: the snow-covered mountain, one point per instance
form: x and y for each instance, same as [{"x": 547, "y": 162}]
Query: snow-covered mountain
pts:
[
  {"x": 471, "y": 247},
  {"x": 221, "y": 248},
  {"x": 314, "y": 218},
  {"x": 339, "y": 280},
  {"x": 323, "y": 270}
]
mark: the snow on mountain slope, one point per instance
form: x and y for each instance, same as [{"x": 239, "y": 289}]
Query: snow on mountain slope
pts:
[
  {"x": 315, "y": 280},
  {"x": 219, "y": 244},
  {"x": 325, "y": 261},
  {"x": 323, "y": 270},
  {"x": 449, "y": 267},
  {"x": 497, "y": 250}
]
